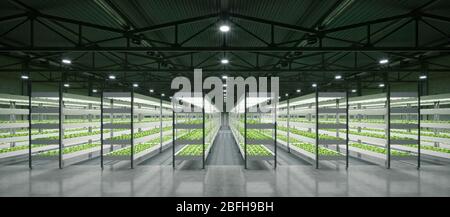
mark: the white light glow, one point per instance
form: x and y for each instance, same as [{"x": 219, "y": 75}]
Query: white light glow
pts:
[
  {"x": 381, "y": 85},
  {"x": 338, "y": 77},
  {"x": 66, "y": 85},
  {"x": 224, "y": 77},
  {"x": 384, "y": 61},
  {"x": 135, "y": 85},
  {"x": 314, "y": 85},
  {"x": 25, "y": 77},
  {"x": 94, "y": 90},
  {"x": 151, "y": 90},
  {"x": 67, "y": 61},
  {"x": 298, "y": 91},
  {"x": 422, "y": 77},
  {"x": 112, "y": 77},
  {"x": 353, "y": 91},
  {"x": 224, "y": 61},
  {"x": 224, "y": 28}
]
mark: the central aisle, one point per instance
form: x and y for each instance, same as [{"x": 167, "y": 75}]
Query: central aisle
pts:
[{"x": 225, "y": 150}]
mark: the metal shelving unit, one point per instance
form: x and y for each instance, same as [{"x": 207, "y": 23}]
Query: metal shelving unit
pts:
[
  {"x": 389, "y": 106},
  {"x": 306, "y": 128},
  {"x": 253, "y": 124},
  {"x": 146, "y": 138},
  {"x": 194, "y": 131},
  {"x": 53, "y": 107}
]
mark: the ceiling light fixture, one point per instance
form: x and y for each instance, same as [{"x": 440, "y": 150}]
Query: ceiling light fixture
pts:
[
  {"x": 384, "y": 61},
  {"x": 224, "y": 28}
]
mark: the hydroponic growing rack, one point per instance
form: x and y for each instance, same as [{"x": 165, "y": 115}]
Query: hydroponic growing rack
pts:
[
  {"x": 195, "y": 129},
  {"x": 301, "y": 127},
  {"x": 78, "y": 128},
  {"x": 386, "y": 111},
  {"x": 253, "y": 124},
  {"x": 144, "y": 120}
]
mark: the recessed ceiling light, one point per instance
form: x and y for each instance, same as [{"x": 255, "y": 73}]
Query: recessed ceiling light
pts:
[
  {"x": 384, "y": 61},
  {"x": 422, "y": 77},
  {"x": 66, "y": 61},
  {"x": 354, "y": 91},
  {"x": 66, "y": 85},
  {"x": 314, "y": 85},
  {"x": 162, "y": 94},
  {"x": 298, "y": 91},
  {"x": 94, "y": 90},
  {"x": 224, "y": 61},
  {"x": 25, "y": 77},
  {"x": 135, "y": 85},
  {"x": 224, "y": 28},
  {"x": 286, "y": 94},
  {"x": 151, "y": 90},
  {"x": 112, "y": 77},
  {"x": 381, "y": 85},
  {"x": 338, "y": 77},
  {"x": 224, "y": 77}
]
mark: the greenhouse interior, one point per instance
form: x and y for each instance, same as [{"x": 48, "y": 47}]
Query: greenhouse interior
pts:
[{"x": 89, "y": 104}]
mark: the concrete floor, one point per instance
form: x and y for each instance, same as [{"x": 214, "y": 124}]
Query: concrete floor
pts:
[
  {"x": 224, "y": 176},
  {"x": 225, "y": 181}
]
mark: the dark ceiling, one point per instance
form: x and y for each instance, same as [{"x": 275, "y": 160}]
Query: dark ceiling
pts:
[{"x": 150, "y": 42}]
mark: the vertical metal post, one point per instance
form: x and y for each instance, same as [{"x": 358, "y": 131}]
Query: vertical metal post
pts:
[
  {"x": 30, "y": 164},
  {"x": 203, "y": 123},
  {"x": 61, "y": 131},
  {"x": 101, "y": 129},
  {"x": 317, "y": 127},
  {"x": 173, "y": 135},
  {"x": 275, "y": 129},
  {"x": 288, "y": 125},
  {"x": 245, "y": 129},
  {"x": 388, "y": 133},
  {"x": 418, "y": 124},
  {"x": 132, "y": 128},
  {"x": 346, "y": 129},
  {"x": 160, "y": 125}
]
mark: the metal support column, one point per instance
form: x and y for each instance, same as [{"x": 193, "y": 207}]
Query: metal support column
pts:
[
  {"x": 30, "y": 164},
  {"x": 61, "y": 131},
  {"x": 132, "y": 128},
  {"x": 418, "y": 125},
  {"x": 203, "y": 123},
  {"x": 288, "y": 125},
  {"x": 346, "y": 129},
  {"x": 160, "y": 125},
  {"x": 101, "y": 129},
  {"x": 173, "y": 135},
  {"x": 245, "y": 129},
  {"x": 275, "y": 129},
  {"x": 317, "y": 127},
  {"x": 388, "y": 126}
]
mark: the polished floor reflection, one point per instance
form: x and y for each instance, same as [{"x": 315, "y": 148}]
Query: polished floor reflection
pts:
[{"x": 225, "y": 181}]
